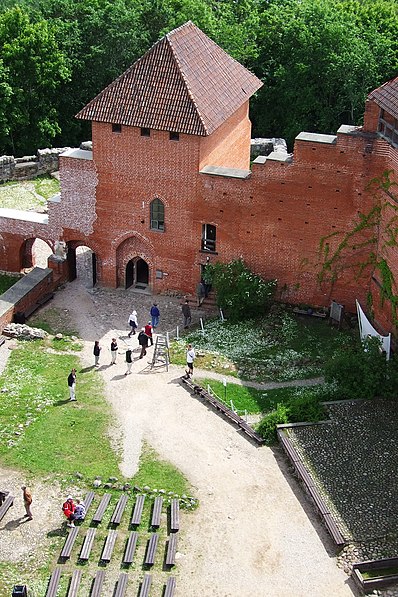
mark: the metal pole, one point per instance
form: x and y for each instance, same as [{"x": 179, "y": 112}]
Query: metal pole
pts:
[
  {"x": 222, "y": 316},
  {"x": 177, "y": 336},
  {"x": 202, "y": 326}
]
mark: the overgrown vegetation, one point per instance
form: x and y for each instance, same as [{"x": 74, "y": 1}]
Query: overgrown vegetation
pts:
[
  {"x": 6, "y": 281},
  {"x": 28, "y": 194},
  {"x": 239, "y": 292}
]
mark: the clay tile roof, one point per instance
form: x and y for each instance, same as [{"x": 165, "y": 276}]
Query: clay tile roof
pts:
[
  {"x": 386, "y": 97},
  {"x": 185, "y": 83}
]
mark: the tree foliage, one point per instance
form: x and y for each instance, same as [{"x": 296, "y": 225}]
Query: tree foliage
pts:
[{"x": 240, "y": 292}]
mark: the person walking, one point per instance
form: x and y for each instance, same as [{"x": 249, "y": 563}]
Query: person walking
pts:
[
  {"x": 190, "y": 359},
  {"x": 27, "y": 500},
  {"x": 68, "y": 509},
  {"x": 143, "y": 342},
  {"x": 200, "y": 292},
  {"x": 133, "y": 323},
  {"x": 155, "y": 315},
  {"x": 148, "y": 331},
  {"x": 96, "y": 353},
  {"x": 113, "y": 351},
  {"x": 186, "y": 311},
  {"x": 72, "y": 385},
  {"x": 129, "y": 361}
]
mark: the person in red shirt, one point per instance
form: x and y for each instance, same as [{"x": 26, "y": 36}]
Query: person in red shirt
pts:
[
  {"x": 68, "y": 508},
  {"x": 148, "y": 331}
]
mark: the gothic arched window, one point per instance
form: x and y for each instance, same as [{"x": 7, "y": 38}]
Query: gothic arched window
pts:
[{"x": 157, "y": 215}]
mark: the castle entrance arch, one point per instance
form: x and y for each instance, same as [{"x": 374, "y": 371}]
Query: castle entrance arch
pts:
[
  {"x": 137, "y": 273},
  {"x": 35, "y": 253},
  {"x": 82, "y": 263}
]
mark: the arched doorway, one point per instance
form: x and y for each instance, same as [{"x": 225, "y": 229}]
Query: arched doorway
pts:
[
  {"x": 82, "y": 265},
  {"x": 35, "y": 253},
  {"x": 137, "y": 273}
]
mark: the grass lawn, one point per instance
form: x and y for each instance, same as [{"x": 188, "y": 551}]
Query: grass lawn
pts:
[
  {"x": 249, "y": 399},
  {"x": 278, "y": 347},
  {"x": 28, "y": 194},
  {"x": 7, "y": 280}
]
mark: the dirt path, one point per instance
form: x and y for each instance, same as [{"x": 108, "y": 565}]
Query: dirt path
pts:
[{"x": 254, "y": 533}]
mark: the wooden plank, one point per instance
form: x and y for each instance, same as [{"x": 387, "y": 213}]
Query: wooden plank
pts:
[
  {"x": 87, "y": 545},
  {"x": 70, "y": 540},
  {"x": 88, "y": 500},
  {"x": 130, "y": 548},
  {"x": 157, "y": 511},
  {"x": 145, "y": 586},
  {"x": 75, "y": 583},
  {"x": 109, "y": 546},
  {"x": 175, "y": 515},
  {"x": 320, "y": 503},
  {"x": 119, "y": 509},
  {"x": 151, "y": 550},
  {"x": 97, "y": 585},
  {"x": 170, "y": 587},
  {"x": 121, "y": 585},
  {"x": 6, "y": 505},
  {"x": 137, "y": 513},
  {"x": 333, "y": 530},
  {"x": 54, "y": 583},
  {"x": 99, "y": 513},
  {"x": 171, "y": 550}
]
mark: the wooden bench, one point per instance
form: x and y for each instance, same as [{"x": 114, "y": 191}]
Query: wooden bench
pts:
[
  {"x": 145, "y": 586},
  {"x": 100, "y": 511},
  {"x": 319, "y": 501},
  {"x": 170, "y": 587},
  {"x": 151, "y": 550},
  {"x": 87, "y": 545},
  {"x": 88, "y": 500},
  {"x": 121, "y": 585},
  {"x": 171, "y": 550},
  {"x": 309, "y": 312},
  {"x": 109, "y": 545},
  {"x": 287, "y": 446},
  {"x": 303, "y": 474},
  {"x": 75, "y": 583},
  {"x": 334, "y": 530},
  {"x": 54, "y": 583},
  {"x": 97, "y": 584},
  {"x": 119, "y": 509},
  {"x": 225, "y": 410},
  {"x": 156, "y": 512},
  {"x": 175, "y": 515},
  {"x": 6, "y": 505},
  {"x": 70, "y": 540},
  {"x": 130, "y": 548},
  {"x": 137, "y": 513}
]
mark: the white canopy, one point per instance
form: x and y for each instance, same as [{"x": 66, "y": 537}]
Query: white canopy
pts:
[{"x": 366, "y": 329}]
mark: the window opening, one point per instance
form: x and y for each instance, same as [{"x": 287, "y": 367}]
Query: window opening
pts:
[
  {"x": 116, "y": 128},
  {"x": 157, "y": 215},
  {"x": 174, "y": 136},
  {"x": 145, "y": 132},
  {"x": 208, "y": 238}
]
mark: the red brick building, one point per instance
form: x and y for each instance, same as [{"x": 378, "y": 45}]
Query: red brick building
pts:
[{"x": 168, "y": 185}]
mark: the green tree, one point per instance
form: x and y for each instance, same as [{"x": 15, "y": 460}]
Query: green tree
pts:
[
  {"x": 321, "y": 80},
  {"x": 240, "y": 292},
  {"x": 32, "y": 70}
]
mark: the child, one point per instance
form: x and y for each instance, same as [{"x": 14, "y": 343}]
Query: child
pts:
[{"x": 96, "y": 352}]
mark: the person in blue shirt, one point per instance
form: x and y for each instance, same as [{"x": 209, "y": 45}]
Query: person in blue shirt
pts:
[{"x": 155, "y": 315}]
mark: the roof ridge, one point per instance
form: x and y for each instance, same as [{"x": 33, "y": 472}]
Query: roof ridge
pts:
[{"x": 184, "y": 78}]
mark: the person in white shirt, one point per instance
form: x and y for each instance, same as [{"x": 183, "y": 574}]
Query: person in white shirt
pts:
[{"x": 190, "y": 360}]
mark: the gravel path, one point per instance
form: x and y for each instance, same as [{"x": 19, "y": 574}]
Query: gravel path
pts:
[{"x": 254, "y": 533}]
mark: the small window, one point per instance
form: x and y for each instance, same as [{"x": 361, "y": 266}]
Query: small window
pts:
[
  {"x": 209, "y": 238},
  {"x": 174, "y": 136},
  {"x": 157, "y": 215},
  {"x": 145, "y": 132},
  {"x": 116, "y": 128}
]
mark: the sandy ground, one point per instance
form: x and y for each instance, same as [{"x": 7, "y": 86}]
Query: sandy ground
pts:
[{"x": 254, "y": 532}]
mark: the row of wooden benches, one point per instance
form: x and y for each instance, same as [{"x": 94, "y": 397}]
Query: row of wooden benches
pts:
[
  {"x": 110, "y": 544},
  {"x": 221, "y": 407},
  {"x": 137, "y": 512},
  {"x": 96, "y": 588},
  {"x": 308, "y": 481}
]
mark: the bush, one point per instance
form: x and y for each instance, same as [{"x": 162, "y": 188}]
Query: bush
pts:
[
  {"x": 305, "y": 407},
  {"x": 239, "y": 292},
  {"x": 267, "y": 426}
]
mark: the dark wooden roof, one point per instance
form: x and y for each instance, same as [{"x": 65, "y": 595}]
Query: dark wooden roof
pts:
[
  {"x": 185, "y": 83},
  {"x": 386, "y": 97}
]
